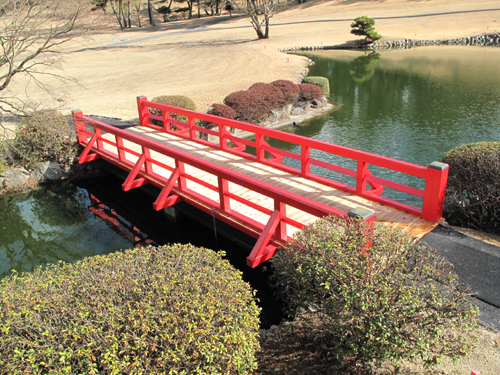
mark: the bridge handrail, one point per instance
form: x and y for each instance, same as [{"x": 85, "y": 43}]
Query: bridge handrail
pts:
[
  {"x": 279, "y": 195},
  {"x": 435, "y": 175}
]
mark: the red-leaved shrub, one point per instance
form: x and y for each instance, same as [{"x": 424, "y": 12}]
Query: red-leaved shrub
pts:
[
  {"x": 308, "y": 91},
  {"x": 270, "y": 94},
  {"x": 290, "y": 90},
  {"x": 249, "y": 105}
]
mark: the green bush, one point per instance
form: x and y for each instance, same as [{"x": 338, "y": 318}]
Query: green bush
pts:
[
  {"x": 473, "y": 191},
  {"x": 180, "y": 101},
  {"x": 174, "y": 309},
  {"x": 322, "y": 82},
  {"x": 396, "y": 299},
  {"x": 44, "y": 136}
]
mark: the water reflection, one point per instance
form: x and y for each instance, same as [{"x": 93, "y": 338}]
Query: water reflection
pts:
[
  {"x": 413, "y": 105},
  {"x": 47, "y": 225},
  {"x": 363, "y": 67}
]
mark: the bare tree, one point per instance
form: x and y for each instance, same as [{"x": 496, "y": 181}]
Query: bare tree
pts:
[
  {"x": 31, "y": 32},
  {"x": 259, "y": 11}
]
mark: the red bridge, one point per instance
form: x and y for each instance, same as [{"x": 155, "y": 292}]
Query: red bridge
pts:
[{"x": 213, "y": 169}]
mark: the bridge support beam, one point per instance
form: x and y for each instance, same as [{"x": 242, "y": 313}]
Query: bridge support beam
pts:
[{"x": 262, "y": 251}]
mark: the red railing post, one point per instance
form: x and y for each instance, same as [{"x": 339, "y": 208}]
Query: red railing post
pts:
[
  {"x": 79, "y": 126},
  {"x": 305, "y": 156},
  {"x": 191, "y": 125},
  {"x": 148, "y": 166},
  {"x": 259, "y": 142},
  {"x": 435, "y": 190},
  {"x": 223, "y": 198},
  {"x": 182, "y": 178},
  {"x": 119, "y": 146},
  {"x": 281, "y": 227},
  {"x": 222, "y": 136},
  {"x": 360, "y": 177},
  {"x": 143, "y": 110}
]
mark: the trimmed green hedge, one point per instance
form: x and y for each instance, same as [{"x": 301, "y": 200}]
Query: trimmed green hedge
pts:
[
  {"x": 44, "y": 136},
  {"x": 174, "y": 309},
  {"x": 473, "y": 191},
  {"x": 179, "y": 101},
  {"x": 322, "y": 82}
]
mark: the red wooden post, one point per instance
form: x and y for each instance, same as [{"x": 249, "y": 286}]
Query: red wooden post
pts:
[
  {"x": 119, "y": 146},
  {"x": 435, "y": 190},
  {"x": 366, "y": 216},
  {"x": 79, "y": 125},
  {"x": 360, "y": 177},
  {"x": 192, "y": 130},
  {"x": 148, "y": 165},
  {"x": 182, "y": 178},
  {"x": 475, "y": 372},
  {"x": 259, "y": 141},
  {"x": 222, "y": 136},
  {"x": 281, "y": 228},
  {"x": 223, "y": 199},
  {"x": 143, "y": 110},
  {"x": 305, "y": 156},
  {"x": 99, "y": 142}
]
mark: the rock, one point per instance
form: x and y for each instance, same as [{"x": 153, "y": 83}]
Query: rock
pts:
[
  {"x": 15, "y": 172},
  {"x": 46, "y": 172},
  {"x": 298, "y": 111},
  {"x": 14, "y": 178},
  {"x": 303, "y": 105}
]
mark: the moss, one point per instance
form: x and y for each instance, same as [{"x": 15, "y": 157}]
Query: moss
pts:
[{"x": 322, "y": 82}]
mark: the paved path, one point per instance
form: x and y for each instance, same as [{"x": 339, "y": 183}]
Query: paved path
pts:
[{"x": 477, "y": 263}]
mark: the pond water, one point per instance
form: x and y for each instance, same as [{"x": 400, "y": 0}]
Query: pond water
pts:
[
  {"x": 413, "y": 105},
  {"x": 69, "y": 221}
]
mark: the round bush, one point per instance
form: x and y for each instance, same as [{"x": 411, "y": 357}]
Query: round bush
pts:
[
  {"x": 249, "y": 105},
  {"x": 44, "y": 136},
  {"x": 290, "y": 90},
  {"x": 308, "y": 91},
  {"x": 473, "y": 191},
  {"x": 321, "y": 82},
  {"x": 396, "y": 299},
  {"x": 180, "y": 101},
  {"x": 174, "y": 309},
  {"x": 271, "y": 94}
]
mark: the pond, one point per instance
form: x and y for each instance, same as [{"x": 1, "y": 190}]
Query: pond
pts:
[{"x": 413, "y": 105}]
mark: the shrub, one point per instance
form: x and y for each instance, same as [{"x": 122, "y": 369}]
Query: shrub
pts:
[
  {"x": 269, "y": 93},
  {"x": 44, "y": 136},
  {"x": 322, "y": 82},
  {"x": 249, "y": 105},
  {"x": 174, "y": 309},
  {"x": 180, "y": 101},
  {"x": 220, "y": 110},
  {"x": 473, "y": 192},
  {"x": 308, "y": 91},
  {"x": 290, "y": 90},
  {"x": 394, "y": 300}
]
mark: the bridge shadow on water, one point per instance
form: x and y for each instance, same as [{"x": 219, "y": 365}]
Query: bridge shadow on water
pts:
[{"x": 135, "y": 208}]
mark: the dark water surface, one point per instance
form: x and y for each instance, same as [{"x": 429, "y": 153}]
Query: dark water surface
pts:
[{"x": 413, "y": 105}]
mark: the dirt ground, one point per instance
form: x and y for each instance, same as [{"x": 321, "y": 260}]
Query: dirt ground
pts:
[{"x": 207, "y": 59}]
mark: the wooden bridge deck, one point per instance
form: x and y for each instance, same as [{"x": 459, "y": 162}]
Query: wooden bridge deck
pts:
[
  {"x": 316, "y": 191},
  {"x": 257, "y": 193}
]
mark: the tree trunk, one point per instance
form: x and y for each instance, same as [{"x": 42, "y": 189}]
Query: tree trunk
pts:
[
  {"x": 199, "y": 9},
  {"x": 138, "y": 9},
  {"x": 152, "y": 21}
]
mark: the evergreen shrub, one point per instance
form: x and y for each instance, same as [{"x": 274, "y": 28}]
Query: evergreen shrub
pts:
[
  {"x": 44, "y": 136},
  {"x": 220, "y": 110},
  {"x": 397, "y": 299},
  {"x": 180, "y": 101},
  {"x": 308, "y": 91},
  {"x": 249, "y": 105},
  {"x": 473, "y": 191},
  {"x": 270, "y": 94},
  {"x": 290, "y": 90},
  {"x": 322, "y": 82},
  {"x": 174, "y": 309}
]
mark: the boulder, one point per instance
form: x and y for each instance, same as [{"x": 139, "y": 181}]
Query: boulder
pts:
[
  {"x": 298, "y": 111},
  {"x": 14, "y": 178},
  {"x": 47, "y": 171}
]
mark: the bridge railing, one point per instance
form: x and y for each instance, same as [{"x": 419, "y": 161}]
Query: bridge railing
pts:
[
  {"x": 174, "y": 181},
  {"x": 366, "y": 185}
]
